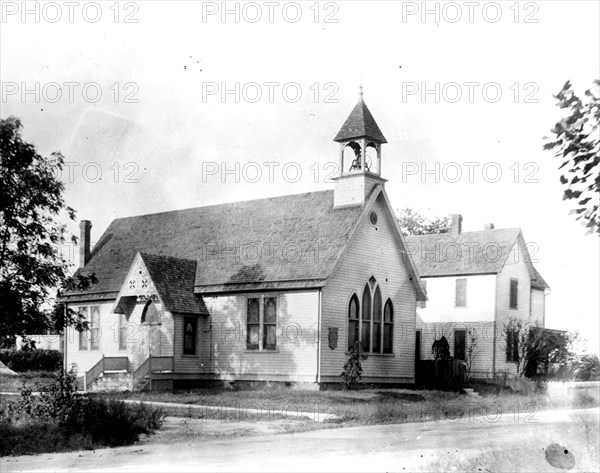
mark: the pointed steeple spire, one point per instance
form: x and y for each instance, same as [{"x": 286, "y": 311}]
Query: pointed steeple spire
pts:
[{"x": 360, "y": 123}]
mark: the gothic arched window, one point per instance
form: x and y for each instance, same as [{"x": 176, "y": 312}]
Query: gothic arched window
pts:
[
  {"x": 150, "y": 314},
  {"x": 372, "y": 323},
  {"x": 353, "y": 320},
  {"x": 388, "y": 327},
  {"x": 365, "y": 336},
  {"x": 377, "y": 321}
]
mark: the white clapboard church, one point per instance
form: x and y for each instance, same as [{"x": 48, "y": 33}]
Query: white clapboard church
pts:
[{"x": 179, "y": 301}]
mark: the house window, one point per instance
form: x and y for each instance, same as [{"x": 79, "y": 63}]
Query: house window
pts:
[
  {"x": 366, "y": 320},
  {"x": 122, "y": 332},
  {"x": 512, "y": 346},
  {"x": 418, "y": 345},
  {"x": 423, "y": 304},
  {"x": 95, "y": 328},
  {"x": 253, "y": 324},
  {"x": 388, "y": 327},
  {"x": 514, "y": 291},
  {"x": 189, "y": 335},
  {"x": 270, "y": 324},
  {"x": 84, "y": 337},
  {"x": 261, "y": 323},
  {"x": 461, "y": 292},
  {"x": 460, "y": 340},
  {"x": 352, "y": 322},
  {"x": 90, "y": 339}
]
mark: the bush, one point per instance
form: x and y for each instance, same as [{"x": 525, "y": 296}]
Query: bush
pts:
[
  {"x": 352, "y": 373},
  {"x": 31, "y": 360},
  {"x": 60, "y": 419}
]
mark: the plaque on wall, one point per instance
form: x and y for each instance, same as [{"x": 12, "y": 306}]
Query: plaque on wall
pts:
[{"x": 333, "y": 337}]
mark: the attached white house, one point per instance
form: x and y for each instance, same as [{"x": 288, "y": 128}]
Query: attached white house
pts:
[
  {"x": 476, "y": 281},
  {"x": 275, "y": 289}
]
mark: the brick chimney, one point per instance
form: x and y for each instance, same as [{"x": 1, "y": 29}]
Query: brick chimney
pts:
[
  {"x": 456, "y": 225},
  {"x": 488, "y": 226},
  {"x": 85, "y": 227}
]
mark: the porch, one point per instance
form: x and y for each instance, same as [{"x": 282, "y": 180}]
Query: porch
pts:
[{"x": 115, "y": 373}]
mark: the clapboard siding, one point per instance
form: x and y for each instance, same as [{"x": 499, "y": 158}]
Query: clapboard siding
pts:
[
  {"x": 514, "y": 268},
  {"x": 538, "y": 306},
  {"x": 374, "y": 251},
  {"x": 296, "y": 356},
  {"x": 441, "y": 294},
  {"x": 83, "y": 360},
  {"x": 137, "y": 343}
]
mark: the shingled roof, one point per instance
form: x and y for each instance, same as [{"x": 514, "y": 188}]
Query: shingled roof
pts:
[
  {"x": 468, "y": 253},
  {"x": 285, "y": 242},
  {"x": 174, "y": 280},
  {"x": 360, "y": 123}
]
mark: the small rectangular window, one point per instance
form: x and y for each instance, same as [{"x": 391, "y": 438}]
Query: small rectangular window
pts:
[
  {"x": 83, "y": 335},
  {"x": 460, "y": 338},
  {"x": 461, "y": 292},
  {"x": 253, "y": 324},
  {"x": 418, "y": 345},
  {"x": 514, "y": 293},
  {"x": 189, "y": 335},
  {"x": 95, "y": 331}
]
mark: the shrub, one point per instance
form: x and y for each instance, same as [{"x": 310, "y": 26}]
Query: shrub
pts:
[
  {"x": 352, "y": 373},
  {"x": 31, "y": 360},
  {"x": 60, "y": 419}
]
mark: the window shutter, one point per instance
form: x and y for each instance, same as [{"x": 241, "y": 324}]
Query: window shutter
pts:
[
  {"x": 514, "y": 292},
  {"x": 461, "y": 292}
]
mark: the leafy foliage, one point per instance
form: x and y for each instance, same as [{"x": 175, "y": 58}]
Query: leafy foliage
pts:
[
  {"x": 352, "y": 373},
  {"x": 588, "y": 367},
  {"x": 31, "y": 360},
  {"x": 441, "y": 349},
  {"x": 61, "y": 419},
  {"x": 413, "y": 223},
  {"x": 536, "y": 346},
  {"x": 577, "y": 144},
  {"x": 31, "y": 235}
]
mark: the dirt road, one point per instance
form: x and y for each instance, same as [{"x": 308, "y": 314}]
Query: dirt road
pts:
[{"x": 507, "y": 443}]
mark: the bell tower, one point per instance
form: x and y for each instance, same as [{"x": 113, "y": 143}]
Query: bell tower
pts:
[{"x": 360, "y": 142}]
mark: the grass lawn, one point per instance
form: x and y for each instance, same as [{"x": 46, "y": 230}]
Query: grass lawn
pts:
[
  {"x": 30, "y": 379},
  {"x": 364, "y": 407}
]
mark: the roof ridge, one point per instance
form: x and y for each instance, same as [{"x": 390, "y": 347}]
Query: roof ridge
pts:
[{"x": 189, "y": 209}]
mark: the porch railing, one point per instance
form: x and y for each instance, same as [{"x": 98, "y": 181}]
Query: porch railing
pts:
[
  {"x": 106, "y": 363},
  {"x": 152, "y": 364},
  {"x": 161, "y": 363}
]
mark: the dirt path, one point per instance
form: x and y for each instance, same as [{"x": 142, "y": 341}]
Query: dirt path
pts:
[{"x": 399, "y": 447}]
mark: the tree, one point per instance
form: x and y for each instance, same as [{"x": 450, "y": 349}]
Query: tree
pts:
[
  {"x": 577, "y": 144},
  {"x": 532, "y": 348},
  {"x": 413, "y": 223},
  {"x": 441, "y": 349},
  {"x": 31, "y": 262},
  {"x": 472, "y": 343}
]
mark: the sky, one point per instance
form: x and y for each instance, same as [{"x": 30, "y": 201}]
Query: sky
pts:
[{"x": 160, "y": 105}]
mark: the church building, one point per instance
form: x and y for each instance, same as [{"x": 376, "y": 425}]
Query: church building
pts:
[{"x": 271, "y": 290}]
